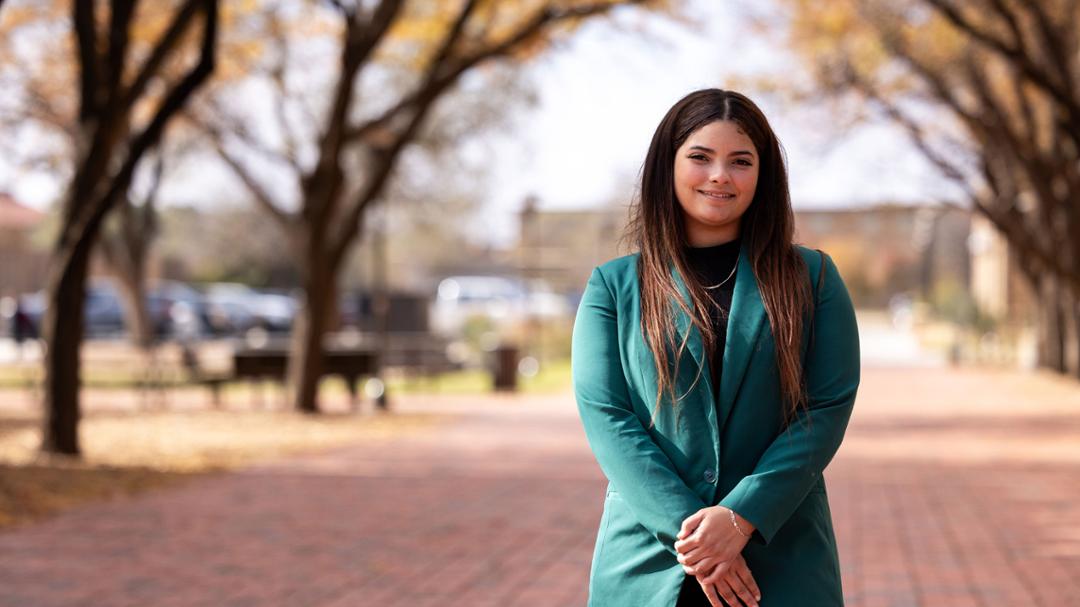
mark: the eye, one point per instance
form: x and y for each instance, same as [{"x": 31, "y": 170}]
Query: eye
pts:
[
  {"x": 701, "y": 157},
  {"x": 744, "y": 162}
]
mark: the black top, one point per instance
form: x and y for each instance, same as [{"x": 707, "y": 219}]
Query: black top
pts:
[{"x": 712, "y": 265}]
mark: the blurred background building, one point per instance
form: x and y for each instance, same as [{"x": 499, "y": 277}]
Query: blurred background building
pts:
[{"x": 22, "y": 264}]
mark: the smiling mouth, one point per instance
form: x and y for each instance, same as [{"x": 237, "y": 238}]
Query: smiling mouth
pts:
[{"x": 716, "y": 195}]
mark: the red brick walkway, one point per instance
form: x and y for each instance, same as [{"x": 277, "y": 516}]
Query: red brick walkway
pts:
[
  {"x": 960, "y": 489},
  {"x": 952, "y": 489}
]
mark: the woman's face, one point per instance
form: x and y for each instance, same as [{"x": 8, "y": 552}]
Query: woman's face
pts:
[{"x": 716, "y": 173}]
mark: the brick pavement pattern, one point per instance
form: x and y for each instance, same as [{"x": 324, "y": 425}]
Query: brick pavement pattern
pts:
[{"x": 952, "y": 489}]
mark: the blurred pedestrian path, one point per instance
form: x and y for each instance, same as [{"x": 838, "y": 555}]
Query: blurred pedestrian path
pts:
[
  {"x": 954, "y": 487},
  {"x": 882, "y": 343},
  {"x": 498, "y": 507}
]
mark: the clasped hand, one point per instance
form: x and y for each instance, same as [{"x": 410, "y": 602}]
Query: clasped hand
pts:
[{"x": 710, "y": 548}]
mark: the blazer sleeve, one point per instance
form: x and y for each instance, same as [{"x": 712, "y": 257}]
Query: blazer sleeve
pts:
[
  {"x": 638, "y": 469},
  {"x": 793, "y": 463}
]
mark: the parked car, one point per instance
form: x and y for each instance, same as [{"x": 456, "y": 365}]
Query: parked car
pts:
[
  {"x": 499, "y": 298},
  {"x": 103, "y": 313},
  {"x": 177, "y": 310},
  {"x": 182, "y": 308},
  {"x": 244, "y": 307}
]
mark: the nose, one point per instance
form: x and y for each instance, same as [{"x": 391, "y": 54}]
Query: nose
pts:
[{"x": 719, "y": 174}]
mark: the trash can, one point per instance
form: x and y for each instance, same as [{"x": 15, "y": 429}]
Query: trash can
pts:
[{"x": 505, "y": 368}]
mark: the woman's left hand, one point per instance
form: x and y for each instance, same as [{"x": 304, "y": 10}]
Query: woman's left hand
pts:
[{"x": 708, "y": 538}]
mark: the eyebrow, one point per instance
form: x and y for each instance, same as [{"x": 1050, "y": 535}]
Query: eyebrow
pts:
[{"x": 712, "y": 151}]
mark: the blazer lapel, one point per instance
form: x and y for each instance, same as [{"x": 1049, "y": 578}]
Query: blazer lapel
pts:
[
  {"x": 745, "y": 319},
  {"x": 694, "y": 343}
]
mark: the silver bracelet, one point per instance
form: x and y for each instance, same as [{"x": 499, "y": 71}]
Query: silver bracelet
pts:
[{"x": 735, "y": 523}]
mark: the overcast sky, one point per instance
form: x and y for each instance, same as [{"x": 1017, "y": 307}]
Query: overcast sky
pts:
[
  {"x": 600, "y": 98},
  {"x": 604, "y": 94}
]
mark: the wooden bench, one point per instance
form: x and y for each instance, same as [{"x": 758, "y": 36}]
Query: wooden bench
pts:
[
  {"x": 197, "y": 374},
  {"x": 350, "y": 365}
]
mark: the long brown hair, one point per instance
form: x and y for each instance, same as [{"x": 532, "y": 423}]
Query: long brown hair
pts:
[{"x": 767, "y": 228}]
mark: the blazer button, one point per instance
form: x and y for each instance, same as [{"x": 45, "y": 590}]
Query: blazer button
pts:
[{"x": 710, "y": 476}]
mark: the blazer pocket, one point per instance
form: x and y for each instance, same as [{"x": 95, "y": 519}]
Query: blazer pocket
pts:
[{"x": 605, "y": 522}]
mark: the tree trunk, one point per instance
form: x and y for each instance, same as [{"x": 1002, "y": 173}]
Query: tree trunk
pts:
[
  {"x": 306, "y": 351},
  {"x": 63, "y": 332},
  {"x": 1075, "y": 346},
  {"x": 125, "y": 251},
  {"x": 1051, "y": 329},
  {"x": 1071, "y": 334},
  {"x": 136, "y": 316}
]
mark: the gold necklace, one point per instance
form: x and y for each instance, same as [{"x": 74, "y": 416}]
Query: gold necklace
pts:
[{"x": 721, "y": 283}]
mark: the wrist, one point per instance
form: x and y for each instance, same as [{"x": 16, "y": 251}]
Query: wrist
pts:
[{"x": 744, "y": 527}]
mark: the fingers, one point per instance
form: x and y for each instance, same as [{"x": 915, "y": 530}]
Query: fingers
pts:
[
  {"x": 739, "y": 588},
  {"x": 690, "y": 543},
  {"x": 699, "y": 566},
  {"x": 690, "y": 524},
  {"x": 747, "y": 580},
  {"x": 691, "y": 556},
  {"x": 723, "y": 589},
  {"x": 733, "y": 582},
  {"x": 717, "y": 575},
  {"x": 710, "y": 593},
  {"x": 685, "y": 545}
]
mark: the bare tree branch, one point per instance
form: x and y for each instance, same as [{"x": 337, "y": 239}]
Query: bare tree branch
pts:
[
  {"x": 1024, "y": 157},
  {"x": 346, "y": 11},
  {"x": 916, "y": 133},
  {"x": 262, "y": 197},
  {"x": 380, "y": 174},
  {"x": 151, "y": 134},
  {"x": 453, "y": 34},
  {"x": 992, "y": 118},
  {"x": 1011, "y": 22},
  {"x": 441, "y": 75},
  {"x": 1025, "y": 62},
  {"x": 239, "y": 130},
  {"x": 1056, "y": 42},
  {"x": 1000, "y": 209},
  {"x": 360, "y": 41},
  {"x": 137, "y": 226},
  {"x": 941, "y": 91},
  {"x": 278, "y": 78},
  {"x": 40, "y": 108},
  {"x": 85, "y": 33},
  {"x": 120, "y": 21},
  {"x": 180, "y": 23},
  {"x": 440, "y": 78},
  {"x": 1025, "y": 110}
]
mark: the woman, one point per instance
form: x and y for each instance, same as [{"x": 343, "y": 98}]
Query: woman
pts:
[{"x": 715, "y": 371}]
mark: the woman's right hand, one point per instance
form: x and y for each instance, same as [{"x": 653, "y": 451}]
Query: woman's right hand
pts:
[{"x": 728, "y": 580}]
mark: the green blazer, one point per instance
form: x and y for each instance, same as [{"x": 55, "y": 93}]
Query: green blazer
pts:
[{"x": 734, "y": 454}]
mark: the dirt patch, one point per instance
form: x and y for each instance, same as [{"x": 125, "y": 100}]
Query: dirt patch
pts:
[{"x": 128, "y": 453}]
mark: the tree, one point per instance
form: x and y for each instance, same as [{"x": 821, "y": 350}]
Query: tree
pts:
[
  {"x": 359, "y": 141},
  {"x": 987, "y": 91},
  {"x": 125, "y": 245},
  {"x": 38, "y": 70},
  {"x": 109, "y": 140}
]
